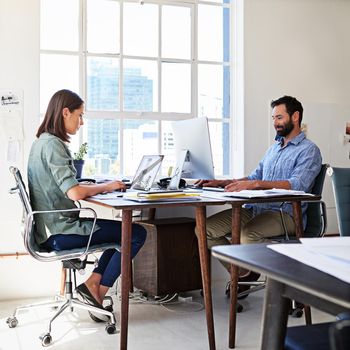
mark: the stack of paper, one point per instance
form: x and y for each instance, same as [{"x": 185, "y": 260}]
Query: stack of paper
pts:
[
  {"x": 330, "y": 255},
  {"x": 275, "y": 192},
  {"x": 162, "y": 196}
]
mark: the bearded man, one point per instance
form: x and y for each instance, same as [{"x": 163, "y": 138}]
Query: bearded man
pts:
[{"x": 292, "y": 163}]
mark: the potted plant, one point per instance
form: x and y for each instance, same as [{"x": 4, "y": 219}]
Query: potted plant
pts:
[{"x": 78, "y": 159}]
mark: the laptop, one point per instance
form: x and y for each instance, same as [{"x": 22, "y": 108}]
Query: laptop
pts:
[{"x": 146, "y": 172}]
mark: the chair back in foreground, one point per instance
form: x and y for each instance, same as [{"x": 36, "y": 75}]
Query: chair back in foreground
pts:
[{"x": 341, "y": 189}]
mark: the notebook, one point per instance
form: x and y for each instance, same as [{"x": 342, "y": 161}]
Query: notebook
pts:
[{"x": 146, "y": 172}]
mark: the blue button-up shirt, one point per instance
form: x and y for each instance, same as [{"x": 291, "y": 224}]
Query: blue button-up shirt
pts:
[{"x": 299, "y": 162}]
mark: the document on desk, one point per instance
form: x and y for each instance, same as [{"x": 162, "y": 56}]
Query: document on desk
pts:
[
  {"x": 162, "y": 197},
  {"x": 274, "y": 192},
  {"x": 330, "y": 255}
]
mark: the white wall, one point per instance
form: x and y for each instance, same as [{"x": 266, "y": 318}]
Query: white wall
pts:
[
  {"x": 297, "y": 47},
  {"x": 19, "y": 71}
]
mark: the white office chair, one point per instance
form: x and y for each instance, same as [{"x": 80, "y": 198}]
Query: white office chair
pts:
[{"x": 72, "y": 260}]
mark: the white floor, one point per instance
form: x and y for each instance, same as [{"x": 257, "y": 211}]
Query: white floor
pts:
[{"x": 151, "y": 327}]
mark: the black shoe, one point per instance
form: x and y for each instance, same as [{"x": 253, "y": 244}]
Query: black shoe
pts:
[{"x": 86, "y": 295}]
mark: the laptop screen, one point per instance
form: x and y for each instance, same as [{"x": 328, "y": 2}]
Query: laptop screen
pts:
[{"x": 146, "y": 172}]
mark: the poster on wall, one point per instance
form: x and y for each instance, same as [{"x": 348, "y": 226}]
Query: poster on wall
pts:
[{"x": 11, "y": 125}]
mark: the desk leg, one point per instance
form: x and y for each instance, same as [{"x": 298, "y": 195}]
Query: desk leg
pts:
[
  {"x": 298, "y": 218},
  {"x": 275, "y": 316},
  {"x": 204, "y": 261},
  {"x": 236, "y": 239},
  {"x": 125, "y": 276}
]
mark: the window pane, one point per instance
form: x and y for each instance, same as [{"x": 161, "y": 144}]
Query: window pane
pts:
[
  {"x": 220, "y": 147},
  {"x": 102, "y": 83},
  {"x": 140, "y": 138},
  {"x": 102, "y": 136},
  {"x": 59, "y": 25},
  {"x": 176, "y": 32},
  {"x": 176, "y": 87},
  {"x": 167, "y": 147},
  {"x": 57, "y": 72},
  {"x": 210, "y": 37},
  {"x": 140, "y": 85},
  {"x": 140, "y": 35},
  {"x": 213, "y": 91},
  {"x": 103, "y": 26}
]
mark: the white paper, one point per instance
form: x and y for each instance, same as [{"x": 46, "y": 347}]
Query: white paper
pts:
[
  {"x": 333, "y": 247},
  {"x": 330, "y": 256},
  {"x": 275, "y": 192}
]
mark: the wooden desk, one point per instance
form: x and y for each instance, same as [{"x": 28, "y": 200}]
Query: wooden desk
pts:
[
  {"x": 237, "y": 204},
  {"x": 286, "y": 279},
  {"x": 127, "y": 207}
]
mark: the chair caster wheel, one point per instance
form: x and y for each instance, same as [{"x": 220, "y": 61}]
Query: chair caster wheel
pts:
[
  {"x": 12, "y": 322},
  {"x": 110, "y": 328},
  {"x": 46, "y": 339},
  {"x": 239, "y": 308}
]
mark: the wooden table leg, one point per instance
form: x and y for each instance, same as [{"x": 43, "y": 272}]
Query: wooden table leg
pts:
[
  {"x": 298, "y": 219},
  {"x": 236, "y": 239},
  {"x": 125, "y": 276},
  {"x": 205, "y": 270}
]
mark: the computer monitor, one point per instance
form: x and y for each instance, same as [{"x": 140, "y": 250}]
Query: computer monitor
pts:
[{"x": 193, "y": 135}]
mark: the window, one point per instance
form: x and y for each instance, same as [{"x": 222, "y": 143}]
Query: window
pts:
[{"x": 138, "y": 67}]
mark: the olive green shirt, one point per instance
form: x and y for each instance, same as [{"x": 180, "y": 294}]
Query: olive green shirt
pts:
[{"x": 50, "y": 175}]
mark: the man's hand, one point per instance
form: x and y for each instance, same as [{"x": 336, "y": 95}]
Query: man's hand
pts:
[
  {"x": 239, "y": 185},
  {"x": 212, "y": 183}
]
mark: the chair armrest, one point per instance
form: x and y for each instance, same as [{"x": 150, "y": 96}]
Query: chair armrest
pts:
[{"x": 29, "y": 224}]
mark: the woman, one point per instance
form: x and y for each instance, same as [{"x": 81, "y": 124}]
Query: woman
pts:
[{"x": 52, "y": 185}]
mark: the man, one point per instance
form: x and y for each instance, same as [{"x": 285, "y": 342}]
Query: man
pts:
[{"x": 292, "y": 163}]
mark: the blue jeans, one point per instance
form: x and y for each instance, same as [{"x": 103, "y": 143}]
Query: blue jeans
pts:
[{"x": 109, "y": 265}]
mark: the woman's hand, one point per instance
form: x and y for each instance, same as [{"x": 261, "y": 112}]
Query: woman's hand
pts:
[
  {"x": 82, "y": 191},
  {"x": 115, "y": 186}
]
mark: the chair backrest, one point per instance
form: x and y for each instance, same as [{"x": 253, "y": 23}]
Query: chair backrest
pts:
[
  {"x": 28, "y": 224},
  {"x": 341, "y": 189},
  {"x": 316, "y": 211}
]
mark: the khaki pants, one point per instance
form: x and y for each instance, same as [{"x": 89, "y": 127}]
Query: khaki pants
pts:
[{"x": 253, "y": 229}]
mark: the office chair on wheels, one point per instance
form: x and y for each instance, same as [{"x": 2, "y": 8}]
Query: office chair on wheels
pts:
[
  {"x": 315, "y": 227},
  {"x": 72, "y": 260}
]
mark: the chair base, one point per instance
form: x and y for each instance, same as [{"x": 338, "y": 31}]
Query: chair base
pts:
[{"x": 62, "y": 303}]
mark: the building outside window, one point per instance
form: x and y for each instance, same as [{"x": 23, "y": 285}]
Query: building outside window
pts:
[{"x": 139, "y": 67}]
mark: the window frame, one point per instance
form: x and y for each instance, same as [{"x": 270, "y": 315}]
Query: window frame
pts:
[{"x": 194, "y": 62}]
